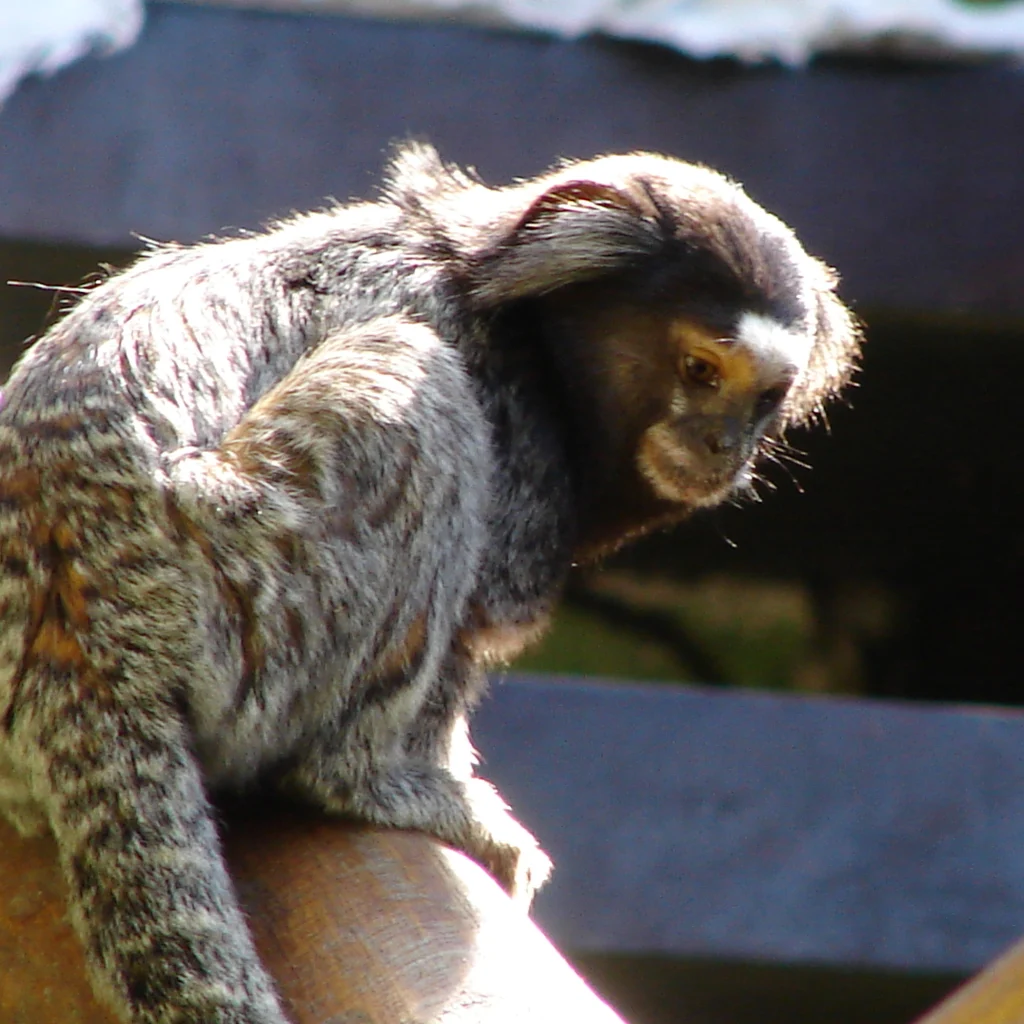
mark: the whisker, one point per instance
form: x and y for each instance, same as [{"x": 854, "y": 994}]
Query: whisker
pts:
[{"x": 70, "y": 289}]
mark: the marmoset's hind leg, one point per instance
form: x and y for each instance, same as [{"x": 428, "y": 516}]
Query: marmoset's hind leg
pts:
[
  {"x": 149, "y": 894},
  {"x": 370, "y": 466},
  {"x": 345, "y": 517}
]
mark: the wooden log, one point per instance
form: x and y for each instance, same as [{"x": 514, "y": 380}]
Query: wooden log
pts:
[
  {"x": 995, "y": 996},
  {"x": 354, "y": 923}
]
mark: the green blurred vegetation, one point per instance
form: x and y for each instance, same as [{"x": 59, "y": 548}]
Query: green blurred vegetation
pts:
[{"x": 755, "y": 633}]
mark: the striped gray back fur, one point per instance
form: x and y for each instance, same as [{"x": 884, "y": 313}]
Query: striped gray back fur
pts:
[{"x": 270, "y": 504}]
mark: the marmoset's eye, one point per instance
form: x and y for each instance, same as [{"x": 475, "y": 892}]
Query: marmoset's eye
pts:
[{"x": 702, "y": 371}]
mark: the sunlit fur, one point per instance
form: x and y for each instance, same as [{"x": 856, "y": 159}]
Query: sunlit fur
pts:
[{"x": 269, "y": 506}]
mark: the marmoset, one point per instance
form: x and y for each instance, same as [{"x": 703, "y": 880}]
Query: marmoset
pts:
[{"x": 269, "y": 505}]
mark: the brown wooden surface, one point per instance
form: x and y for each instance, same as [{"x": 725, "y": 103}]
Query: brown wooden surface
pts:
[
  {"x": 356, "y": 926},
  {"x": 996, "y": 996}
]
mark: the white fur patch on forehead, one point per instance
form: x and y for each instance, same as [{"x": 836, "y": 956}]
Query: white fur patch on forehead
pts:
[{"x": 778, "y": 349}]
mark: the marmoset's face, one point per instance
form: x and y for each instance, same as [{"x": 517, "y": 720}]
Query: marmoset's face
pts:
[{"x": 727, "y": 392}]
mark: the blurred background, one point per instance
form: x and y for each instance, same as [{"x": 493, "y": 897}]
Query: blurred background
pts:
[{"x": 886, "y": 559}]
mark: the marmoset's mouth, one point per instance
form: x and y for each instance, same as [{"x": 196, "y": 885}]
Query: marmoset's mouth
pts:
[
  {"x": 705, "y": 491},
  {"x": 678, "y": 473}
]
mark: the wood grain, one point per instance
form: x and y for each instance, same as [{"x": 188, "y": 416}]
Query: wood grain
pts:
[
  {"x": 358, "y": 927},
  {"x": 996, "y": 996}
]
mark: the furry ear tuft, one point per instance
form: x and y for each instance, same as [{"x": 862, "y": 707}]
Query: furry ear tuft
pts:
[
  {"x": 834, "y": 354},
  {"x": 417, "y": 177},
  {"x": 573, "y": 231}
]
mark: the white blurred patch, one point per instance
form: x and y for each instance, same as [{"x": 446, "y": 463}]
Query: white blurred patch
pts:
[
  {"x": 790, "y": 31},
  {"x": 41, "y": 36},
  {"x": 779, "y": 351}
]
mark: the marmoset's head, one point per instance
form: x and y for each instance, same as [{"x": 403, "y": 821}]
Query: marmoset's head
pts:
[
  {"x": 687, "y": 323},
  {"x": 725, "y": 392}
]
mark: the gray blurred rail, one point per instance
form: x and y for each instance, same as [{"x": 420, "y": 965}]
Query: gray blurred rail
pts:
[
  {"x": 746, "y": 826},
  {"x": 908, "y": 179}
]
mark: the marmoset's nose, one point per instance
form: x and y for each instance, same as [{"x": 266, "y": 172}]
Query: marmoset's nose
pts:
[{"x": 722, "y": 435}]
